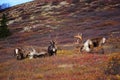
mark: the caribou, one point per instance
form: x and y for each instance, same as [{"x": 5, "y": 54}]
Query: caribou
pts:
[
  {"x": 91, "y": 44},
  {"x": 52, "y": 49},
  {"x": 29, "y": 52}
]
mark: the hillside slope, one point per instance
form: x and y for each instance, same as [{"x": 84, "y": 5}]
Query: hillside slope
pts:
[{"x": 36, "y": 23}]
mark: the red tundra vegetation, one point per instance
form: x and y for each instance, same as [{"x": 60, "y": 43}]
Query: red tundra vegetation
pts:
[{"x": 35, "y": 24}]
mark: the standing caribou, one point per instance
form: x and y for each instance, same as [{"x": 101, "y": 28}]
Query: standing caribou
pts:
[
  {"x": 52, "y": 49},
  {"x": 90, "y": 44}
]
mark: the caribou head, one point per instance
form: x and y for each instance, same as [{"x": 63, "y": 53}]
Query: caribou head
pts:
[{"x": 18, "y": 52}]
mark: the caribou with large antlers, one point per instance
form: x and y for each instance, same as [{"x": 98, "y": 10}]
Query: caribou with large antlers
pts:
[{"x": 90, "y": 44}]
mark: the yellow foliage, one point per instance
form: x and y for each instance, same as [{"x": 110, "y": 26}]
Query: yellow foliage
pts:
[
  {"x": 68, "y": 52},
  {"x": 38, "y": 76}
]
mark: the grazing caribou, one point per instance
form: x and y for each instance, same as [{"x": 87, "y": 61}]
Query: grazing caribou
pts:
[
  {"x": 90, "y": 44},
  {"x": 52, "y": 48}
]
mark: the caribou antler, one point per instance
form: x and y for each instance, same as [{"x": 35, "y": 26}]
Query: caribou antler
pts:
[{"x": 79, "y": 36}]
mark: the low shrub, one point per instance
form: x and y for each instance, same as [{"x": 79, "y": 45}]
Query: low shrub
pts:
[{"x": 113, "y": 65}]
